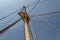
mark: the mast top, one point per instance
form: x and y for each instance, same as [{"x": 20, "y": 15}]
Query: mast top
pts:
[{"x": 23, "y": 14}]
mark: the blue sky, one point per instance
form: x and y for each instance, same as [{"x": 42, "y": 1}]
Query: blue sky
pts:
[{"x": 49, "y": 29}]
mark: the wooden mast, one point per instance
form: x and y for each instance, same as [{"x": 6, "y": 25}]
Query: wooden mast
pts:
[{"x": 26, "y": 19}]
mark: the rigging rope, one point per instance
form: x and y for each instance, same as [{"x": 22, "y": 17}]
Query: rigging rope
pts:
[
  {"x": 30, "y": 33},
  {"x": 8, "y": 20},
  {"x": 57, "y": 12},
  {"x": 10, "y": 14},
  {"x": 9, "y": 26},
  {"x": 34, "y": 6}
]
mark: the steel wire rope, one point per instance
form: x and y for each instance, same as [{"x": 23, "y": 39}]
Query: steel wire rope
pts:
[
  {"x": 3, "y": 24},
  {"x": 43, "y": 21},
  {"x": 49, "y": 24},
  {"x": 10, "y": 14},
  {"x": 31, "y": 35},
  {"x": 9, "y": 20},
  {"x": 9, "y": 26},
  {"x": 34, "y": 6},
  {"x": 57, "y": 12}
]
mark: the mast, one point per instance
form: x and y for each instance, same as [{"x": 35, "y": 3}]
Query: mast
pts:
[{"x": 26, "y": 19}]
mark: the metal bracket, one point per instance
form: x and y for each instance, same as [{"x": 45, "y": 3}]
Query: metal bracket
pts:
[{"x": 24, "y": 16}]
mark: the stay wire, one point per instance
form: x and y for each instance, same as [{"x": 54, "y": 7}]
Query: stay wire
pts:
[
  {"x": 8, "y": 20},
  {"x": 9, "y": 26},
  {"x": 30, "y": 32},
  {"x": 57, "y": 12},
  {"x": 34, "y": 6},
  {"x": 2, "y": 25},
  {"x": 44, "y": 21},
  {"x": 10, "y": 14}
]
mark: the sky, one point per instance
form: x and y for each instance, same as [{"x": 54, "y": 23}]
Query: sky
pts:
[{"x": 42, "y": 27}]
